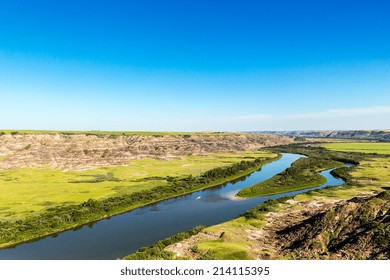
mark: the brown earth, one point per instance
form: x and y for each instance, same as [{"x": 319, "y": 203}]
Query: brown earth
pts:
[
  {"x": 355, "y": 229},
  {"x": 80, "y": 151}
]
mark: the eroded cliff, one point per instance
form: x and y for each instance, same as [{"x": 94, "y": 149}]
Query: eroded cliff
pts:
[{"x": 84, "y": 151}]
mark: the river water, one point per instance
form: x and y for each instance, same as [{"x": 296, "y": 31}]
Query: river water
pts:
[{"x": 125, "y": 233}]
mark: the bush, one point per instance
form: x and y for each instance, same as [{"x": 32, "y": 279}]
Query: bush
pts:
[{"x": 157, "y": 252}]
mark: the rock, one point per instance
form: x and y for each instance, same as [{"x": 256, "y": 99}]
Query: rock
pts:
[{"x": 355, "y": 229}]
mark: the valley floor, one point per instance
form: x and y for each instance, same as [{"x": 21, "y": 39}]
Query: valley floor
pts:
[{"x": 347, "y": 222}]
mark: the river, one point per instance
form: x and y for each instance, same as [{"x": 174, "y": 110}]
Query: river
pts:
[{"x": 125, "y": 233}]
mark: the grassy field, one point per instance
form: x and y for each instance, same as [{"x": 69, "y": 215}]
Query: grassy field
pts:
[
  {"x": 237, "y": 238},
  {"x": 30, "y": 190},
  {"x": 379, "y": 148},
  {"x": 335, "y": 140},
  {"x": 372, "y": 175}
]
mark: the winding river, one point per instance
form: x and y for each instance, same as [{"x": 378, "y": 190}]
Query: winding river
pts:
[{"x": 125, "y": 233}]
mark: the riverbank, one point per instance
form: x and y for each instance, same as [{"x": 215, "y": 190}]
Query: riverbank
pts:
[{"x": 59, "y": 219}]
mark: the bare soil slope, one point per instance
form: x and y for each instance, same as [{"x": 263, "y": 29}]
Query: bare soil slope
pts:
[
  {"x": 355, "y": 229},
  {"x": 82, "y": 151}
]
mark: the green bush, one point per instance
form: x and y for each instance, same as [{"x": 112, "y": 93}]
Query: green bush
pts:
[{"x": 157, "y": 252}]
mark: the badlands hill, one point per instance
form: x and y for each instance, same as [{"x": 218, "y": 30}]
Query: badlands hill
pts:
[
  {"x": 80, "y": 151},
  {"x": 374, "y": 135}
]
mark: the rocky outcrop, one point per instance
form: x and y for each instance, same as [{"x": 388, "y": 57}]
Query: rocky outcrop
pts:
[
  {"x": 375, "y": 135},
  {"x": 355, "y": 229},
  {"x": 84, "y": 151}
]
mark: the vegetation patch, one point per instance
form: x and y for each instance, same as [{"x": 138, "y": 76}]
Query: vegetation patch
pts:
[
  {"x": 221, "y": 250},
  {"x": 157, "y": 252},
  {"x": 98, "y": 178},
  {"x": 372, "y": 148}
]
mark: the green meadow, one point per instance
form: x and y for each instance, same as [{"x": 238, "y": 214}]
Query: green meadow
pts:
[{"x": 379, "y": 148}]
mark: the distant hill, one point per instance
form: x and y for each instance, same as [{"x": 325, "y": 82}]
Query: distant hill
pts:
[{"x": 376, "y": 135}]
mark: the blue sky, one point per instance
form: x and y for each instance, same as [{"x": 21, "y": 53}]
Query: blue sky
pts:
[{"x": 194, "y": 65}]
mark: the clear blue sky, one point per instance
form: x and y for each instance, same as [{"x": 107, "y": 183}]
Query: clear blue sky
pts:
[{"x": 194, "y": 65}]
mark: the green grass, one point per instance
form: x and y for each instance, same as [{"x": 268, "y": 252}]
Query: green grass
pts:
[
  {"x": 335, "y": 140},
  {"x": 221, "y": 250},
  {"x": 157, "y": 252},
  {"x": 375, "y": 172},
  {"x": 28, "y": 190},
  {"x": 379, "y": 148}
]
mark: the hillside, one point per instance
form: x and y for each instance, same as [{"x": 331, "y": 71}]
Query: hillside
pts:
[
  {"x": 375, "y": 135},
  {"x": 355, "y": 229},
  {"x": 84, "y": 151}
]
